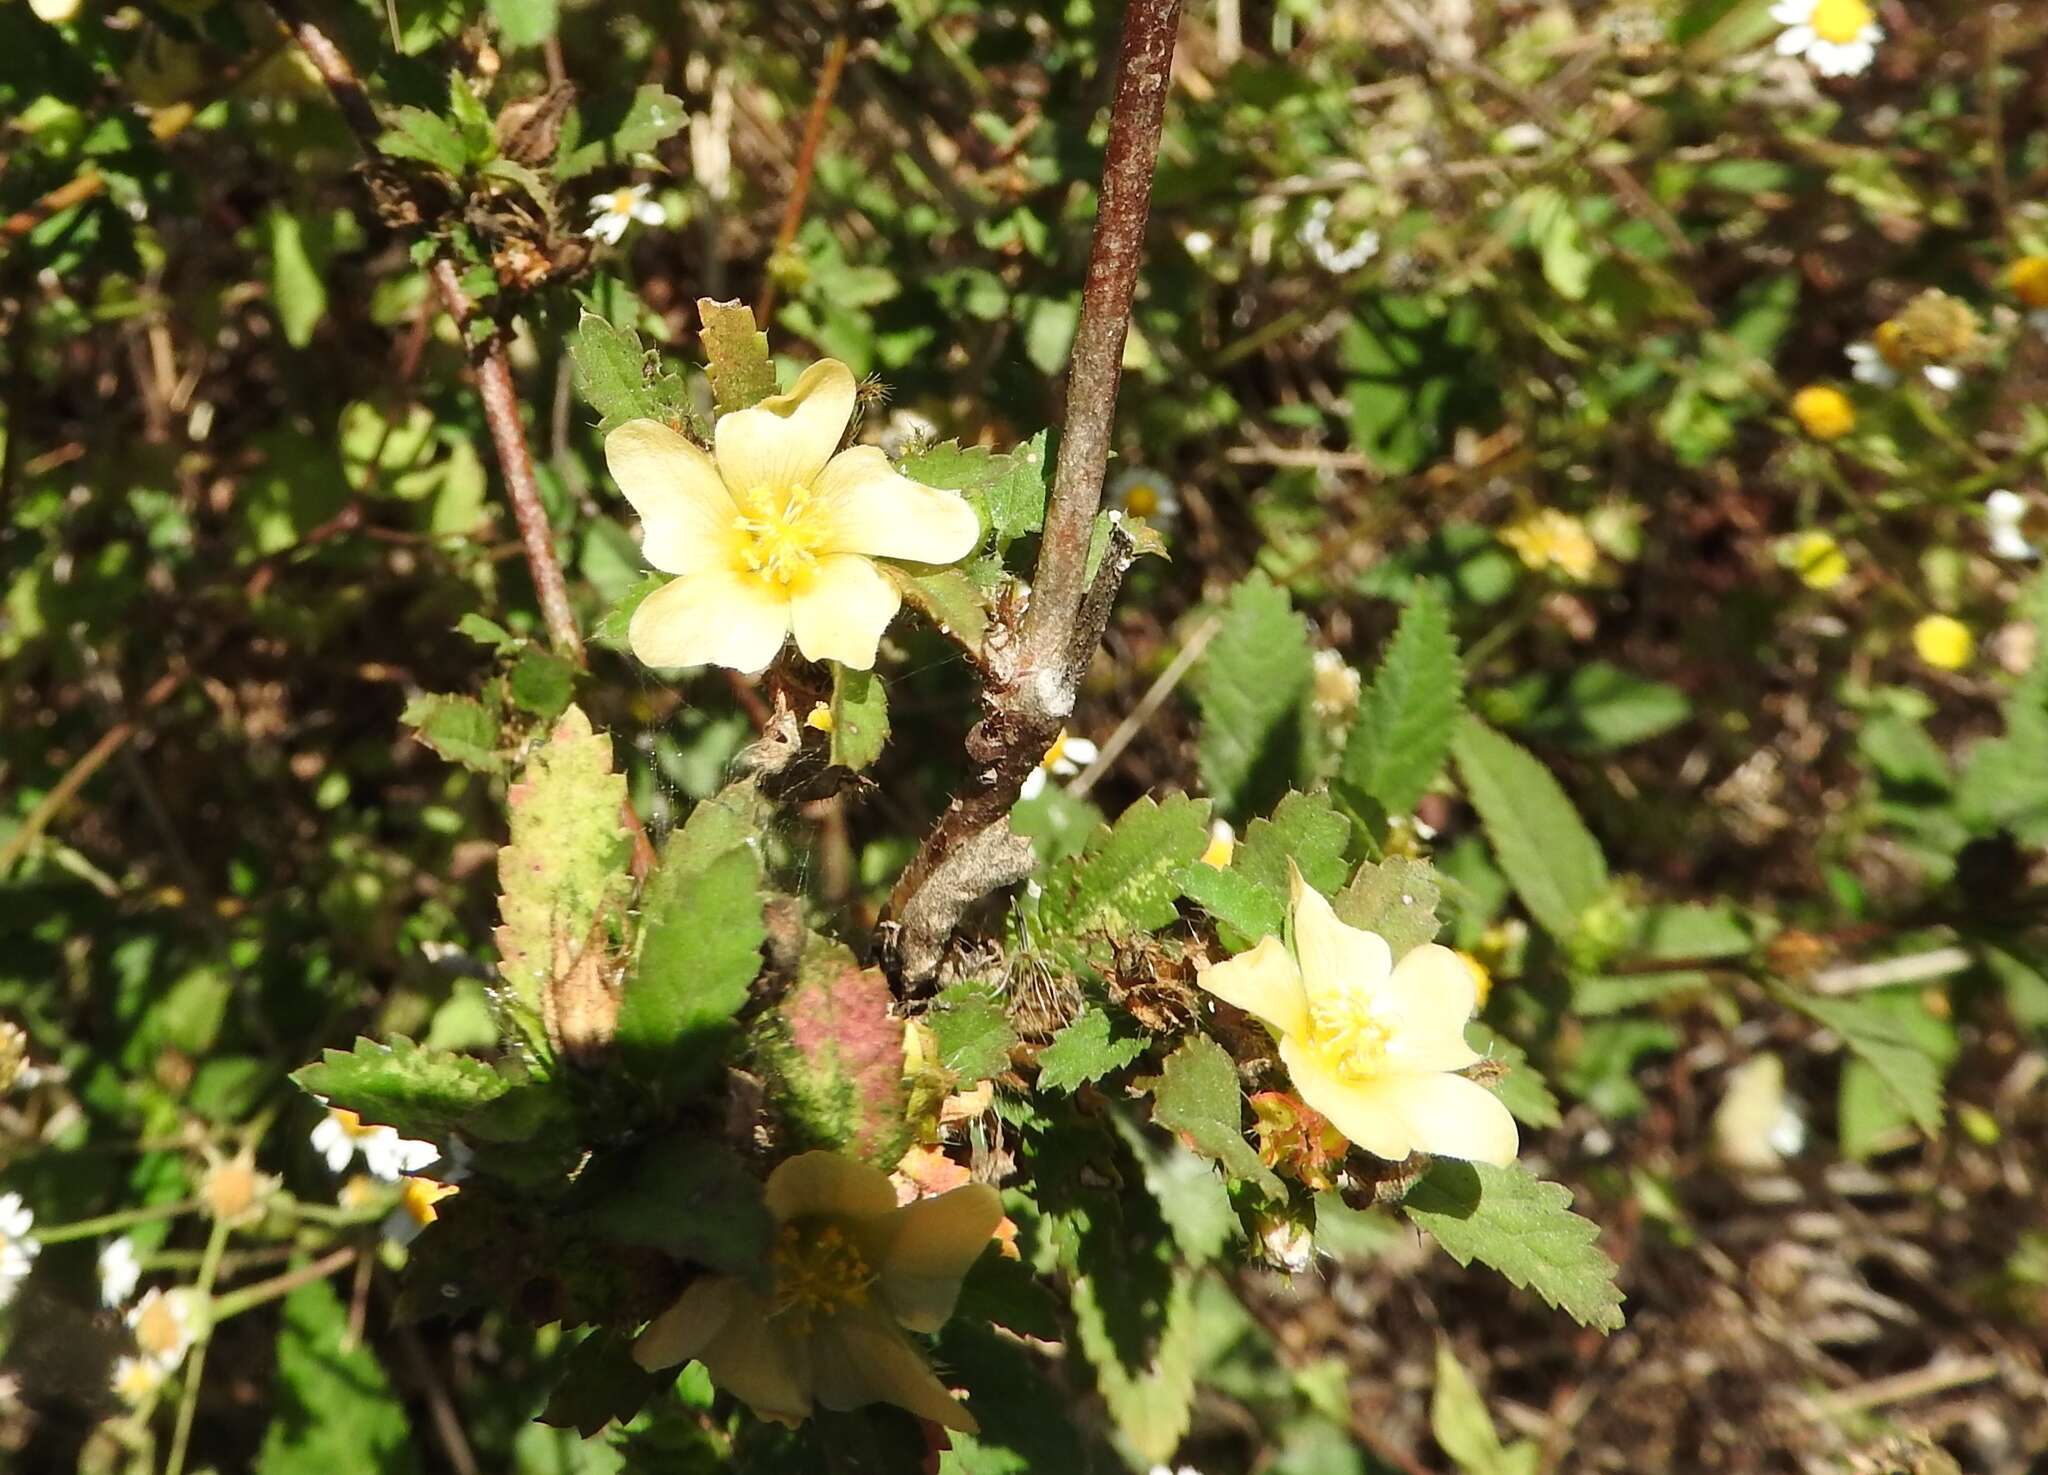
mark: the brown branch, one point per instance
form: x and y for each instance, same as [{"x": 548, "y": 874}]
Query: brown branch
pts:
[
  {"x": 1034, "y": 668},
  {"x": 806, "y": 163},
  {"x": 493, "y": 365}
]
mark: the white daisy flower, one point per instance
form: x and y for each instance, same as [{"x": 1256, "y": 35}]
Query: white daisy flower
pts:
[
  {"x": 1065, "y": 758},
  {"x": 341, "y": 1135},
  {"x": 611, "y": 213},
  {"x": 164, "y": 1324},
  {"x": 1870, "y": 364},
  {"x": 1315, "y": 234},
  {"x": 2005, "y": 515},
  {"x": 135, "y": 1380},
  {"x": 18, "y": 1247},
  {"x": 119, "y": 1271},
  {"x": 1838, "y": 38},
  {"x": 1143, "y": 492}
]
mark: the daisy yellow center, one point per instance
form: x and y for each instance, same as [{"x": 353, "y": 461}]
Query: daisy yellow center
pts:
[
  {"x": 1142, "y": 501},
  {"x": 230, "y": 1190},
  {"x": 2029, "y": 280},
  {"x": 135, "y": 1380},
  {"x": 158, "y": 1330},
  {"x": 420, "y": 1197},
  {"x": 1350, "y": 1037},
  {"x": 1890, "y": 339},
  {"x": 622, "y": 203},
  {"x": 818, "y": 1271},
  {"x": 1839, "y": 21},
  {"x": 1057, "y": 752},
  {"x": 780, "y": 536},
  {"x": 350, "y": 1123}
]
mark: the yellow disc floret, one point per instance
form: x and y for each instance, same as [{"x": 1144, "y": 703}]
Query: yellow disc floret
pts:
[
  {"x": 1349, "y": 1036},
  {"x": 2028, "y": 278},
  {"x": 818, "y": 1272},
  {"x": 1944, "y": 642},
  {"x": 1840, "y": 21}
]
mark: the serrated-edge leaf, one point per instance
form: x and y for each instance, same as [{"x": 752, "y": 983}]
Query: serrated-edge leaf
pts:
[
  {"x": 1401, "y": 734},
  {"x": 1909, "y": 1073},
  {"x": 860, "y": 717},
  {"x": 1086, "y": 1050},
  {"x": 1252, "y": 690},
  {"x": 1130, "y": 874},
  {"x": 421, "y": 1092},
  {"x": 736, "y": 355},
  {"x": 700, "y": 948},
  {"x": 1198, "y": 1095},
  {"x": 1523, "y": 1227},
  {"x": 1548, "y": 854}
]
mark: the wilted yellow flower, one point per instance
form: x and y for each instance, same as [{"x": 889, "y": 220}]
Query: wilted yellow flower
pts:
[
  {"x": 2028, "y": 278},
  {"x": 773, "y": 534},
  {"x": 1818, "y": 560},
  {"x": 1823, "y": 412},
  {"x": 1373, "y": 1045},
  {"x": 850, "y": 1272},
  {"x": 1549, "y": 538},
  {"x": 1944, "y": 642}
]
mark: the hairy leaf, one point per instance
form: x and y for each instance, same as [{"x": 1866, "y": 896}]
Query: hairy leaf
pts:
[
  {"x": 461, "y": 729},
  {"x": 736, "y": 355},
  {"x": 1198, "y": 1096},
  {"x": 423, "y": 1093},
  {"x": 1402, "y": 732},
  {"x": 1910, "y": 1071},
  {"x": 1396, "y": 898},
  {"x": 700, "y": 948},
  {"x": 333, "y": 1408},
  {"x": 1086, "y": 1050},
  {"x": 1525, "y": 1229},
  {"x": 973, "y": 1033},
  {"x": 1249, "y": 898},
  {"x": 1252, "y": 688},
  {"x": 860, "y": 717},
  {"x": 836, "y": 1053},
  {"x": 1128, "y": 877}
]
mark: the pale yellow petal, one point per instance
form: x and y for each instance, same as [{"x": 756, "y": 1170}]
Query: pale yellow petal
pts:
[
  {"x": 1450, "y": 1116},
  {"x": 869, "y": 508},
  {"x": 862, "y": 1360},
  {"x": 1429, "y": 1000},
  {"x": 931, "y": 1245},
  {"x": 712, "y": 618},
  {"x": 785, "y": 440},
  {"x": 1362, "y": 1115},
  {"x": 686, "y": 516},
  {"x": 840, "y": 612},
  {"x": 826, "y": 1183},
  {"x": 1263, "y": 982},
  {"x": 759, "y": 1361},
  {"x": 688, "y": 1327},
  {"x": 1336, "y": 960}
]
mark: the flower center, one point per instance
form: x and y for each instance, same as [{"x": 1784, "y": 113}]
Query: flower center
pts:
[
  {"x": 1142, "y": 501},
  {"x": 1351, "y": 1038},
  {"x": 1056, "y": 753},
  {"x": 351, "y": 1123},
  {"x": 1839, "y": 21},
  {"x": 818, "y": 1271},
  {"x": 779, "y": 535},
  {"x": 157, "y": 1330},
  {"x": 420, "y": 1197}
]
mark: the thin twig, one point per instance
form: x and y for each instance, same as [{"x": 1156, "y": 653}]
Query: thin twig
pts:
[
  {"x": 806, "y": 164},
  {"x": 89, "y": 763},
  {"x": 1034, "y": 670},
  {"x": 1154, "y": 698}
]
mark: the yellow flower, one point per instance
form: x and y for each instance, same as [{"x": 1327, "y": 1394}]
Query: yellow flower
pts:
[
  {"x": 1817, "y": 558},
  {"x": 772, "y": 534},
  {"x": 1549, "y": 538},
  {"x": 2028, "y": 278},
  {"x": 1373, "y": 1045},
  {"x": 1944, "y": 642},
  {"x": 850, "y": 1272},
  {"x": 1823, "y": 412}
]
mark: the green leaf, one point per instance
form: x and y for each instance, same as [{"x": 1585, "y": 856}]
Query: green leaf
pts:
[
  {"x": 427, "y": 1093},
  {"x": 1550, "y": 858},
  {"x": 298, "y": 287},
  {"x": 1396, "y": 898},
  {"x": 1522, "y": 1090},
  {"x": 472, "y": 120},
  {"x": 525, "y": 22},
  {"x": 655, "y": 116},
  {"x": 614, "y": 625},
  {"x": 1198, "y": 1095},
  {"x": 1525, "y": 1229},
  {"x": 332, "y": 1406},
  {"x": 1250, "y": 897},
  {"x": 1459, "y": 1421},
  {"x": 736, "y": 354},
  {"x": 1601, "y": 708},
  {"x": 1128, "y": 877},
  {"x": 600, "y": 1384},
  {"x": 566, "y": 863},
  {"x": 973, "y": 1033},
  {"x": 1008, "y": 490},
  {"x": 699, "y": 1204},
  {"x": 1151, "y": 1403},
  {"x": 1402, "y": 732},
  {"x": 1252, "y": 689},
  {"x": 541, "y": 682},
  {"x": 1192, "y": 1197},
  {"x": 428, "y": 137},
  {"x": 860, "y": 717},
  {"x": 1086, "y": 1050},
  {"x": 1909, "y": 1069},
  {"x": 947, "y": 597},
  {"x": 611, "y": 374},
  {"x": 461, "y": 729},
  {"x": 701, "y": 935}
]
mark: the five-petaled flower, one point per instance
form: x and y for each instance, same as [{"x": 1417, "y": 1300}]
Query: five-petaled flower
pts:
[
  {"x": 850, "y": 1271},
  {"x": 1839, "y": 37},
  {"x": 1373, "y": 1045},
  {"x": 611, "y": 213},
  {"x": 773, "y": 534}
]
